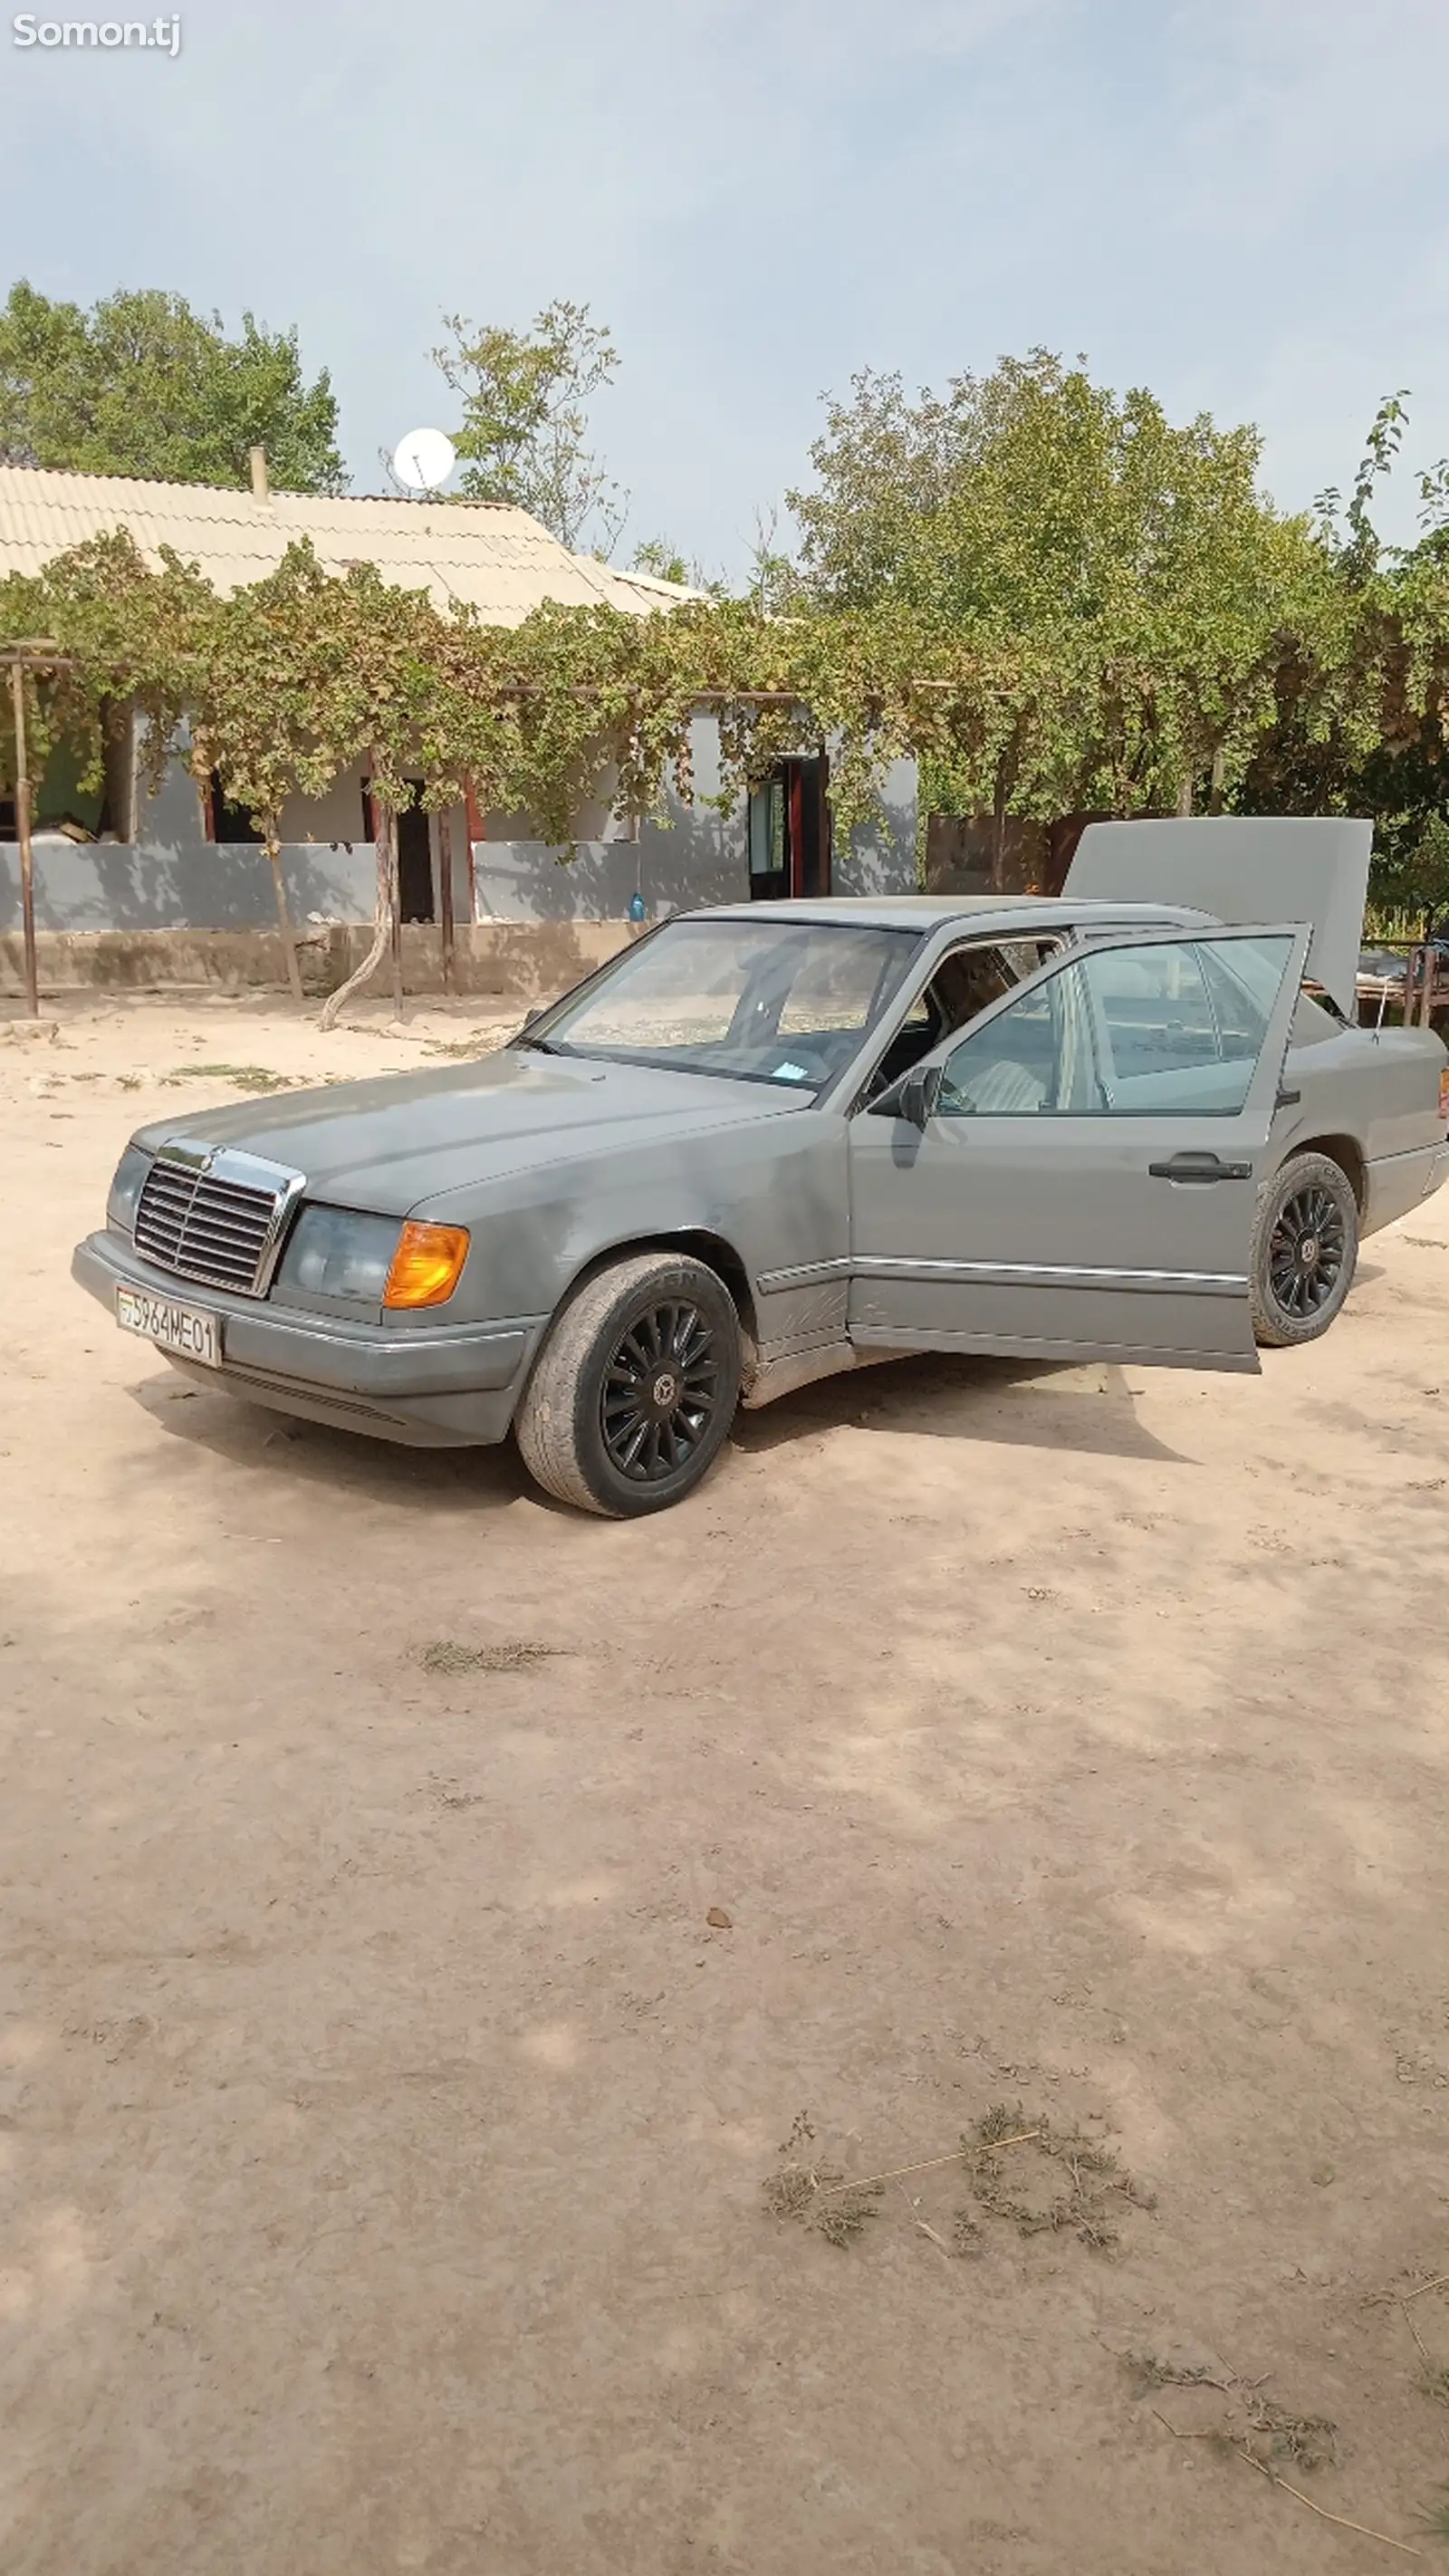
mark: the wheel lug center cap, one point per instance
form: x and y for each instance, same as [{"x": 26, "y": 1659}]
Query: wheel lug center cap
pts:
[
  {"x": 1308, "y": 1251},
  {"x": 666, "y": 1391}
]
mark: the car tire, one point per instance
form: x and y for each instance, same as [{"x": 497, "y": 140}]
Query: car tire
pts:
[
  {"x": 1305, "y": 1247},
  {"x": 634, "y": 1391}
]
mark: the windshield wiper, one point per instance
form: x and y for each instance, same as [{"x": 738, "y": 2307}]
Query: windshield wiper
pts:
[{"x": 541, "y": 1046}]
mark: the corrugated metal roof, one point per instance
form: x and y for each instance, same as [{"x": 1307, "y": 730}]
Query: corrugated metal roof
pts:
[{"x": 497, "y": 560}]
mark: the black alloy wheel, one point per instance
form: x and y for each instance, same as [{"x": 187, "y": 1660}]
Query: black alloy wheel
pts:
[
  {"x": 1305, "y": 1248},
  {"x": 1306, "y": 1252},
  {"x": 661, "y": 1388},
  {"x": 635, "y": 1388}
]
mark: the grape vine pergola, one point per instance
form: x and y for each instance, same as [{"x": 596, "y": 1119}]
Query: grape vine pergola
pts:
[{"x": 287, "y": 683}]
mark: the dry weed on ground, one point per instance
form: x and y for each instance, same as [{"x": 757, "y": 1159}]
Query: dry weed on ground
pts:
[
  {"x": 510, "y": 1655},
  {"x": 1087, "y": 2191}
]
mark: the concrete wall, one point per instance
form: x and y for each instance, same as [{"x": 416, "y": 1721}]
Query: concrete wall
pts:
[
  {"x": 700, "y": 857},
  {"x": 173, "y": 815},
  {"x": 200, "y": 885},
  {"x": 212, "y": 885},
  {"x": 337, "y": 816},
  {"x": 330, "y": 830}
]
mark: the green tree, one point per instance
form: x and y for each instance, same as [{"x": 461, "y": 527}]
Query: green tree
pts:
[
  {"x": 1135, "y": 570},
  {"x": 142, "y": 385},
  {"x": 1363, "y": 729},
  {"x": 662, "y": 561},
  {"x": 525, "y": 426}
]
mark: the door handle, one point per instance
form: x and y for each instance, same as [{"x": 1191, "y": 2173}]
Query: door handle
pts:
[{"x": 1200, "y": 1167}]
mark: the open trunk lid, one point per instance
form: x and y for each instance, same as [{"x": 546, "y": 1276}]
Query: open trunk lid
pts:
[{"x": 1243, "y": 868}]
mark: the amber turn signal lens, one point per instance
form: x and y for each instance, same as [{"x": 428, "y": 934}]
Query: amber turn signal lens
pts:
[{"x": 426, "y": 1266}]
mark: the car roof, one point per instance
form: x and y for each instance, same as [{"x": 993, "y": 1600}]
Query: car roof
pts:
[{"x": 922, "y": 912}]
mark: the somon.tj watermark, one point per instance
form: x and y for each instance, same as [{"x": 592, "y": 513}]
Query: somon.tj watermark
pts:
[{"x": 154, "y": 35}]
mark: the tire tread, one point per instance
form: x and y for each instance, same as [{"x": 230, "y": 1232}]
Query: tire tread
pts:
[
  {"x": 1300, "y": 1171},
  {"x": 549, "y": 1427}
]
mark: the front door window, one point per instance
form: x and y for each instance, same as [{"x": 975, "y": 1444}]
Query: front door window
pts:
[{"x": 1151, "y": 1031}]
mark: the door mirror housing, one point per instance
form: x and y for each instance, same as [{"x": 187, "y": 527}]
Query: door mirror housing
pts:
[
  {"x": 919, "y": 1096},
  {"x": 535, "y": 1014}
]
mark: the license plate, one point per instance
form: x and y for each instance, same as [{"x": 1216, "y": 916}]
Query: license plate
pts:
[{"x": 187, "y": 1331}]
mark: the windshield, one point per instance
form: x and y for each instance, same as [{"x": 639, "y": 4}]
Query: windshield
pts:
[{"x": 758, "y": 1001}]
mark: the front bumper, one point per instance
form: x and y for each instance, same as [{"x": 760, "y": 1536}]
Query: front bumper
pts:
[{"x": 434, "y": 1385}]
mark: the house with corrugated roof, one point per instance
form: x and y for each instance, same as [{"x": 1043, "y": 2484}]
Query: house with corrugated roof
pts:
[
  {"x": 152, "y": 860},
  {"x": 474, "y": 554}
]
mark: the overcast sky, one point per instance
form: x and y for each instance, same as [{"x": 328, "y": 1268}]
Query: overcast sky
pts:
[{"x": 1243, "y": 204}]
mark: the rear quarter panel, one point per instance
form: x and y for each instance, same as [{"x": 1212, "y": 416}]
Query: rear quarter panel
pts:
[{"x": 1379, "y": 1089}]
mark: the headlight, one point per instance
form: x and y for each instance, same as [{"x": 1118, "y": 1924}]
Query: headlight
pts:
[
  {"x": 126, "y": 1189},
  {"x": 335, "y": 1253}
]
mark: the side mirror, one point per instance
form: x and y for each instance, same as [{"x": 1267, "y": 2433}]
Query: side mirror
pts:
[
  {"x": 535, "y": 1014},
  {"x": 920, "y": 1094}
]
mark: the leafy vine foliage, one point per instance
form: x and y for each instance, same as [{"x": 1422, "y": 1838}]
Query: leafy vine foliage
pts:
[
  {"x": 1046, "y": 594},
  {"x": 288, "y": 681}
]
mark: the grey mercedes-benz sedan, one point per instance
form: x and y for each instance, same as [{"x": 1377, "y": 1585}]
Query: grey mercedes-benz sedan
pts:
[{"x": 771, "y": 1141}]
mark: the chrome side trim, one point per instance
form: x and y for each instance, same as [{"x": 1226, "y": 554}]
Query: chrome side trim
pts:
[
  {"x": 1005, "y": 1274},
  {"x": 808, "y": 1274},
  {"x": 1042, "y": 1274}
]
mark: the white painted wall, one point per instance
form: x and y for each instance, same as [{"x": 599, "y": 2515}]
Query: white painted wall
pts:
[
  {"x": 337, "y": 816},
  {"x": 880, "y": 858},
  {"x": 172, "y": 877},
  {"x": 695, "y": 856}
]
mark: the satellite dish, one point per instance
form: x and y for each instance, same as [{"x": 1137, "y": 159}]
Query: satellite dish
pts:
[{"x": 423, "y": 460}]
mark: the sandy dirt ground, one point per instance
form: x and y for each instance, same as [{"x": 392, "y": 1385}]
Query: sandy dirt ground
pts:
[{"x": 383, "y": 2121}]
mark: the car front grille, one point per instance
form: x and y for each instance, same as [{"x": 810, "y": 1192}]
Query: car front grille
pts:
[{"x": 216, "y": 1217}]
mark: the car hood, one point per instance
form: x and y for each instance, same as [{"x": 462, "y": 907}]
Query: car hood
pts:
[
  {"x": 390, "y": 1144},
  {"x": 1243, "y": 868}
]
